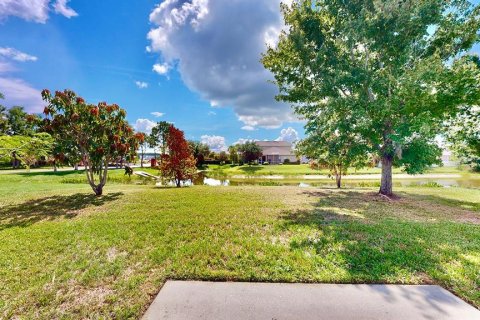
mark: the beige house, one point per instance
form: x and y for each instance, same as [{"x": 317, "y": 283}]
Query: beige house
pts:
[{"x": 275, "y": 152}]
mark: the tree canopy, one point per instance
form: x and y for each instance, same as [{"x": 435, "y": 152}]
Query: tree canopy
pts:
[
  {"x": 250, "y": 151},
  {"x": 178, "y": 164},
  {"x": 463, "y": 135},
  {"x": 99, "y": 133},
  {"x": 396, "y": 69}
]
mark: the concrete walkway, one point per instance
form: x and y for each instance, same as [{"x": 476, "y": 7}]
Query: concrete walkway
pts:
[{"x": 239, "y": 300}]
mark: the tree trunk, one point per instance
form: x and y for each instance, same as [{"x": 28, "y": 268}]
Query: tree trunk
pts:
[
  {"x": 178, "y": 181},
  {"x": 98, "y": 190},
  {"x": 338, "y": 179},
  {"x": 386, "y": 182}
]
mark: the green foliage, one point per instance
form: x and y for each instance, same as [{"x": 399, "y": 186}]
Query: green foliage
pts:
[
  {"x": 418, "y": 155},
  {"x": 394, "y": 69},
  {"x": 158, "y": 136},
  {"x": 333, "y": 143},
  {"x": 463, "y": 135},
  {"x": 250, "y": 151},
  {"x": 233, "y": 154},
  {"x": 98, "y": 135},
  {"x": 28, "y": 150},
  {"x": 200, "y": 151}
]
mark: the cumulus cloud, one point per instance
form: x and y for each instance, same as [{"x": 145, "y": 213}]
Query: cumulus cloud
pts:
[
  {"x": 216, "y": 143},
  {"x": 141, "y": 84},
  {"x": 161, "y": 68},
  {"x": 157, "y": 114},
  {"x": 144, "y": 125},
  {"x": 216, "y": 46},
  {"x": 16, "y": 55},
  {"x": 34, "y": 10},
  {"x": 20, "y": 93},
  {"x": 289, "y": 134}
]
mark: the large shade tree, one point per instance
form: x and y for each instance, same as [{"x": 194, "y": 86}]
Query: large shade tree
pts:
[
  {"x": 98, "y": 133},
  {"x": 158, "y": 136},
  {"x": 398, "y": 67}
]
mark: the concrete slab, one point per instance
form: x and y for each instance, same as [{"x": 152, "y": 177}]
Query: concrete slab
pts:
[{"x": 239, "y": 300}]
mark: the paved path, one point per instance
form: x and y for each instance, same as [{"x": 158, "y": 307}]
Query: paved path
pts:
[{"x": 239, "y": 300}]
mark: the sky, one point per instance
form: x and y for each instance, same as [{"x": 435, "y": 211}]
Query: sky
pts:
[{"x": 194, "y": 63}]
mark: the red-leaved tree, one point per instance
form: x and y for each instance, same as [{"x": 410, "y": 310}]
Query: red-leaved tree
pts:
[
  {"x": 96, "y": 134},
  {"x": 178, "y": 164}
]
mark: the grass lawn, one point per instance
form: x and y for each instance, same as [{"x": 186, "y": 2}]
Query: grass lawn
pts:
[
  {"x": 67, "y": 254},
  {"x": 304, "y": 169}
]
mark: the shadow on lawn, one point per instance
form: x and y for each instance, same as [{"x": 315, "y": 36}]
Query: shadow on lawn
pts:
[
  {"x": 250, "y": 169},
  {"x": 360, "y": 234},
  {"x": 50, "y": 208}
]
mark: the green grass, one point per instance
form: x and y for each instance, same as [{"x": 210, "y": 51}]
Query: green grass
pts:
[
  {"x": 304, "y": 169},
  {"x": 67, "y": 254}
]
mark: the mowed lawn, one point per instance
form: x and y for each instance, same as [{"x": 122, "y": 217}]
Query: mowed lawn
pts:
[{"x": 65, "y": 253}]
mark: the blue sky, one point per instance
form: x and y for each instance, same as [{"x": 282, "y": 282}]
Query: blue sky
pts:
[
  {"x": 208, "y": 79},
  {"x": 191, "y": 62}
]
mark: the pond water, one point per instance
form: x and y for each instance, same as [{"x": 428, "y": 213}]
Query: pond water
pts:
[{"x": 458, "y": 181}]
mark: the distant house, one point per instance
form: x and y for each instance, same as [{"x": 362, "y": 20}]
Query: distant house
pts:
[{"x": 275, "y": 152}]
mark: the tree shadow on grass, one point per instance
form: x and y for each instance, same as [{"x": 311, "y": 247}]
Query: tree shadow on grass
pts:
[
  {"x": 342, "y": 231},
  {"x": 250, "y": 169},
  {"x": 50, "y": 208}
]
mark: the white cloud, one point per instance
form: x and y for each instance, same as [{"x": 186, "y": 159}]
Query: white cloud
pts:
[
  {"x": 16, "y": 55},
  {"x": 161, "y": 68},
  {"x": 248, "y": 128},
  {"x": 34, "y": 10},
  {"x": 20, "y": 93},
  {"x": 144, "y": 125},
  {"x": 157, "y": 114},
  {"x": 219, "y": 61},
  {"x": 289, "y": 134},
  {"x": 216, "y": 143},
  {"x": 212, "y": 113},
  {"x": 141, "y": 84},
  {"x": 61, "y": 7}
]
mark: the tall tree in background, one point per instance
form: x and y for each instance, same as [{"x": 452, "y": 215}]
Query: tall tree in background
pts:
[
  {"x": 158, "y": 136},
  {"x": 463, "y": 135},
  {"x": 398, "y": 67},
  {"x": 250, "y": 151},
  {"x": 200, "y": 151},
  {"x": 178, "y": 164},
  {"x": 99, "y": 133},
  {"x": 233, "y": 154}
]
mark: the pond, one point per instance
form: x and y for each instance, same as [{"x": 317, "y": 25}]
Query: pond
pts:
[{"x": 466, "y": 181}]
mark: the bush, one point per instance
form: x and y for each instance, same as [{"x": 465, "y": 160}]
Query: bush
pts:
[{"x": 286, "y": 161}]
